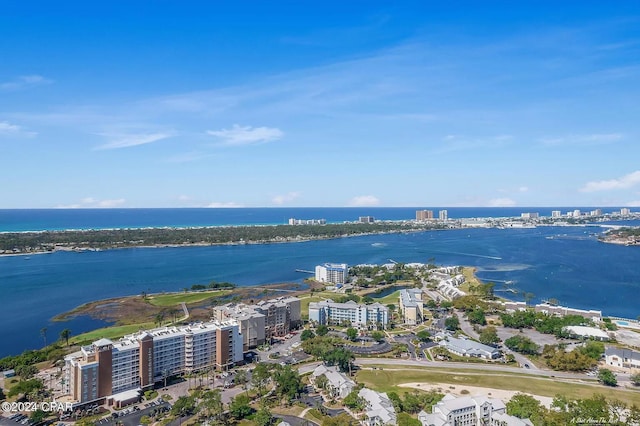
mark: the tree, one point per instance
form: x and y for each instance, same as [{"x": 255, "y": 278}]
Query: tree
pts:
[
  {"x": 340, "y": 357},
  {"x": 352, "y": 334},
  {"x": 322, "y": 330},
  {"x": 524, "y": 407},
  {"x": 65, "y": 335},
  {"x": 307, "y": 334},
  {"x": 263, "y": 416},
  {"x": 353, "y": 401},
  {"x": 521, "y": 344},
  {"x": 477, "y": 317},
  {"x": 241, "y": 378},
  {"x": 635, "y": 379},
  {"x": 240, "y": 407},
  {"x": 322, "y": 381},
  {"x": 405, "y": 419},
  {"x": 378, "y": 336},
  {"x": 288, "y": 383},
  {"x": 607, "y": 378},
  {"x": 43, "y": 333},
  {"x": 489, "y": 336},
  {"x": 184, "y": 406},
  {"x": 159, "y": 318},
  {"x": 211, "y": 404},
  {"x": 260, "y": 376},
  {"x": 26, "y": 371},
  {"x": 452, "y": 323},
  {"x": 423, "y": 335}
]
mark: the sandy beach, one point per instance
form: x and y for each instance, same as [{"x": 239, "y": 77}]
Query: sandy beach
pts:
[{"x": 457, "y": 390}]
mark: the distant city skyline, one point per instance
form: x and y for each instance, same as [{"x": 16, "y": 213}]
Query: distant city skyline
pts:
[{"x": 252, "y": 104}]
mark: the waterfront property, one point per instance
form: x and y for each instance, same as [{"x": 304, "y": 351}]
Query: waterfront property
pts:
[
  {"x": 579, "y": 331},
  {"x": 466, "y": 347},
  {"x": 357, "y": 315},
  {"x": 379, "y": 409},
  {"x": 114, "y": 371},
  {"x": 338, "y": 385},
  {"x": 334, "y": 273},
  {"x": 561, "y": 311},
  {"x": 622, "y": 358},
  {"x": 411, "y": 305},
  {"x": 262, "y": 321},
  {"x": 470, "y": 411}
]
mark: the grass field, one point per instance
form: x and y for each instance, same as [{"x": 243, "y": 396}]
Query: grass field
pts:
[
  {"x": 114, "y": 332},
  {"x": 390, "y": 377},
  {"x": 317, "y": 297},
  {"x": 469, "y": 279},
  {"x": 189, "y": 297}
]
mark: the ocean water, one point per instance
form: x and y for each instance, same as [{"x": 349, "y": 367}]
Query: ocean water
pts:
[
  {"x": 566, "y": 263},
  {"x": 17, "y": 220}
]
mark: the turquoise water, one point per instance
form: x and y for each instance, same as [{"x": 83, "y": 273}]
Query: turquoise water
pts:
[
  {"x": 566, "y": 263},
  {"x": 623, "y": 323}
]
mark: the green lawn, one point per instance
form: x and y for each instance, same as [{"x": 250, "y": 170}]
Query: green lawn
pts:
[
  {"x": 189, "y": 297},
  {"x": 390, "y": 377},
  {"x": 317, "y": 297},
  {"x": 114, "y": 332}
]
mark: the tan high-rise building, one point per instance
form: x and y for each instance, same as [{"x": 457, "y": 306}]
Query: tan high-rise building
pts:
[
  {"x": 108, "y": 370},
  {"x": 424, "y": 214}
]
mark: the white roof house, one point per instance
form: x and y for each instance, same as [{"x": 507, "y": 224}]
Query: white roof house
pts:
[
  {"x": 379, "y": 408},
  {"x": 470, "y": 348},
  {"x": 338, "y": 384},
  {"x": 476, "y": 410},
  {"x": 589, "y": 332}
]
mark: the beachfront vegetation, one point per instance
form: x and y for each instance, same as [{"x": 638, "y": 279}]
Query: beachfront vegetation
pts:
[
  {"x": 548, "y": 324},
  {"x": 26, "y": 242},
  {"x": 521, "y": 344},
  {"x": 414, "y": 401}
]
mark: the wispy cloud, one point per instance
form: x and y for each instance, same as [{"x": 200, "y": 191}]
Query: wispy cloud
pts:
[
  {"x": 364, "y": 201},
  {"x": 246, "y": 135},
  {"x": 523, "y": 189},
  {"x": 224, "y": 205},
  {"x": 452, "y": 143},
  {"x": 626, "y": 181},
  {"x": 286, "y": 198},
  {"x": 24, "y": 82},
  {"x": 117, "y": 141},
  {"x": 8, "y": 129},
  {"x": 593, "y": 139},
  {"x": 501, "y": 202},
  {"x": 93, "y": 203},
  {"x": 187, "y": 157}
]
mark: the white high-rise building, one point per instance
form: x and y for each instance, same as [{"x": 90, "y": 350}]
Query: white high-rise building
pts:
[
  {"x": 556, "y": 213},
  {"x": 358, "y": 315},
  {"x": 443, "y": 215},
  {"x": 335, "y": 273},
  {"x": 625, "y": 211}
]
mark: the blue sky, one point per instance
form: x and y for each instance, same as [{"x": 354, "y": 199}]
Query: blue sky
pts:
[{"x": 225, "y": 104}]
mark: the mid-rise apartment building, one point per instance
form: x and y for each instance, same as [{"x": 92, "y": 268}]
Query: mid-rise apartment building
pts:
[
  {"x": 261, "y": 321},
  {"x": 106, "y": 368},
  {"x": 335, "y": 273},
  {"x": 411, "y": 305},
  {"x": 357, "y": 315}
]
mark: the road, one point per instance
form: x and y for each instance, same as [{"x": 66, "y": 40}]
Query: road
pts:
[
  {"x": 467, "y": 329},
  {"x": 623, "y": 379}
]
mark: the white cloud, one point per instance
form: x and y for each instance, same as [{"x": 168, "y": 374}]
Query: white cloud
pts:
[
  {"x": 93, "y": 203},
  {"x": 593, "y": 139},
  {"x": 227, "y": 205},
  {"x": 127, "y": 140},
  {"x": 8, "y": 129},
  {"x": 626, "y": 181},
  {"x": 246, "y": 135},
  {"x": 501, "y": 202},
  {"x": 364, "y": 201},
  {"x": 523, "y": 189},
  {"x": 24, "y": 82},
  {"x": 281, "y": 199}
]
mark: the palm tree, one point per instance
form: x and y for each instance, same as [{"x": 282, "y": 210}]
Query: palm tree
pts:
[
  {"x": 43, "y": 333},
  {"x": 65, "y": 334}
]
